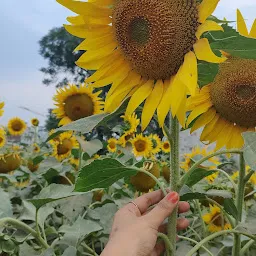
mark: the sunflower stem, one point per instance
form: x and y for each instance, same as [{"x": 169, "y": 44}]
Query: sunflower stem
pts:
[
  {"x": 239, "y": 204},
  {"x": 174, "y": 179},
  {"x": 80, "y": 152}
]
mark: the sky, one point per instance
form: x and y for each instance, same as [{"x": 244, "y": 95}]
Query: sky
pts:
[{"x": 24, "y": 23}]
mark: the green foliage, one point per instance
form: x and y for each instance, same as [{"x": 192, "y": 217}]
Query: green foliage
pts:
[
  {"x": 250, "y": 149},
  {"x": 207, "y": 73},
  {"x": 51, "y": 122}
]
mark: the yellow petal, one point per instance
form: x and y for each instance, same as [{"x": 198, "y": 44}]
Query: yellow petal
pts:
[
  {"x": 93, "y": 64},
  {"x": 236, "y": 140},
  {"x": 206, "y": 8},
  {"x": 96, "y": 43},
  {"x": 86, "y": 8},
  {"x": 76, "y": 20},
  {"x": 84, "y": 31},
  {"x": 208, "y": 25},
  {"x": 165, "y": 103},
  {"x": 253, "y": 30},
  {"x": 198, "y": 111},
  {"x": 181, "y": 113},
  {"x": 241, "y": 25},
  {"x": 224, "y": 136},
  {"x": 209, "y": 127},
  {"x": 204, "y": 52},
  {"x": 204, "y": 119},
  {"x": 188, "y": 73},
  {"x": 219, "y": 126},
  {"x": 102, "y": 2},
  {"x": 151, "y": 104},
  {"x": 139, "y": 96}
]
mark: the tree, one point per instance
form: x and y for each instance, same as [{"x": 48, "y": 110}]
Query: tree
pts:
[
  {"x": 57, "y": 48},
  {"x": 51, "y": 121}
]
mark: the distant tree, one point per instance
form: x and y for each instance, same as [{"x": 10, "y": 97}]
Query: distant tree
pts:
[
  {"x": 57, "y": 48},
  {"x": 51, "y": 121}
]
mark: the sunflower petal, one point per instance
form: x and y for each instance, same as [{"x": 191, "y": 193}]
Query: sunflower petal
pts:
[
  {"x": 188, "y": 73},
  {"x": 209, "y": 127},
  {"x": 198, "y": 111},
  {"x": 115, "y": 100},
  {"x": 208, "y": 25},
  {"x": 92, "y": 64},
  {"x": 204, "y": 52},
  {"x": 181, "y": 113},
  {"x": 151, "y": 104},
  {"x": 224, "y": 136},
  {"x": 139, "y": 96},
  {"x": 241, "y": 25},
  {"x": 236, "y": 140},
  {"x": 253, "y": 30},
  {"x": 86, "y": 8},
  {"x": 206, "y": 8},
  {"x": 76, "y": 20},
  {"x": 204, "y": 119}
]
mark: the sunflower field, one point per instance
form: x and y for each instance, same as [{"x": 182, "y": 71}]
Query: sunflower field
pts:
[{"x": 157, "y": 71}]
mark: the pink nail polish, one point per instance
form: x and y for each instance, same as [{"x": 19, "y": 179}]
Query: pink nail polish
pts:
[{"x": 173, "y": 197}]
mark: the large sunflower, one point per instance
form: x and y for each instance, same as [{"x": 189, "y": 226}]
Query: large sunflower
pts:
[
  {"x": 9, "y": 162},
  {"x": 62, "y": 148},
  {"x": 74, "y": 102},
  {"x": 16, "y": 126},
  {"x": 196, "y": 154},
  {"x": 215, "y": 220},
  {"x": 227, "y": 106},
  {"x": 142, "y": 146},
  {"x": 147, "y": 50},
  {"x": 131, "y": 123},
  {"x": 2, "y": 137},
  {"x": 1, "y": 108}
]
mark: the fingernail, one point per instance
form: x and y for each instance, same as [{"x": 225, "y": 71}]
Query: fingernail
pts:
[{"x": 173, "y": 197}]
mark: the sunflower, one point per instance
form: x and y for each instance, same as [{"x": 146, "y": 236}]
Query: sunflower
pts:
[
  {"x": 74, "y": 103},
  {"x": 124, "y": 139},
  {"x": 96, "y": 156},
  {"x": 196, "y": 154},
  {"x": 62, "y": 148},
  {"x": 1, "y": 108},
  {"x": 36, "y": 148},
  {"x": 215, "y": 220},
  {"x": 55, "y": 139},
  {"x": 74, "y": 161},
  {"x": 112, "y": 145},
  {"x": 131, "y": 123},
  {"x": 156, "y": 143},
  {"x": 147, "y": 50},
  {"x": 2, "y": 137},
  {"x": 252, "y": 180},
  {"x": 166, "y": 147},
  {"x": 21, "y": 183},
  {"x": 35, "y": 122},
  {"x": 31, "y": 166},
  {"x": 226, "y": 108},
  {"x": 142, "y": 146},
  {"x": 9, "y": 162},
  {"x": 16, "y": 126}
]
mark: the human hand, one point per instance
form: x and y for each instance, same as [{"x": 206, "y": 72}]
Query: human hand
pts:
[{"x": 134, "y": 230}]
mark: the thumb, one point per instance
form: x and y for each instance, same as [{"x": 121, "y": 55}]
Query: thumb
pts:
[{"x": 163, "y": 209}]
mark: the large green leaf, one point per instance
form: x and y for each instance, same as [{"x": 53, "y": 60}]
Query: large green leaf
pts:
[
  {"x": 70, "y": 251},
  {"x": 192, "y": 196},
  {"x": 230, "y": 207},
  {"x": 90, "y": 147},
  {"x": 5, "y": 205},
  {"x": 102, "y": 174},
  {"x": 75, "y": 233},
  {"x": 250, "y": 149},
  {"x": 233, "y": 43},
  {"x": 197, "y": 175},
  {"x": 207, "y": 72}
]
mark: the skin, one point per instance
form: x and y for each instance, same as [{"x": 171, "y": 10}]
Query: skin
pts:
[{"x": 134, "y": 231}]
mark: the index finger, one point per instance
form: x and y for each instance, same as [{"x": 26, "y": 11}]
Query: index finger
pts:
[{"x": 145, "y": 201}]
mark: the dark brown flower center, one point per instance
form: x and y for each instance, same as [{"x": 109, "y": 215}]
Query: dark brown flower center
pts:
[
  {"x": 140, "y": 145},
  {"x": 155, "y": 35},
  {"x": 17, "y": 126},
  {"x": 233, "y": 93},
  {"x": 78, "y": 106},
  {"x": 64, "y": 147}
]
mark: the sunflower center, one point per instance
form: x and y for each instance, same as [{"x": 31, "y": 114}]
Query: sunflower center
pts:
[
  {"x": 112, "y": 144},
  {"x": 140, "y": 145},
  {"x": 78, "y": 106},
  {"x": 64, "y": 147},
  {"x": 218, "y": 220},
  {"x": 166, "y": 145},
  {"x": 155, "y": 35},
  {"x": 17, "y": 126},
  {"x": 233, "y": 92}
]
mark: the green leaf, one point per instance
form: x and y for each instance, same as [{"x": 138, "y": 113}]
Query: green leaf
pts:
[
  {"x": 250, "y": 149},
  {"x": 5, "y": 205},
  {"x": 75, "y": 233},
  {"x": 70, "y": 251},
  {"x": 52, "y": 193},
  {"x": 233, "y": 43},
  {"x": 43, "y": 214},
  {"x": 90, "y": 147},
  {"x": 197, "y": 175},
  {"x": 219, "y": 193},
  {"x": 192, "y": 196},
  {"x": 37, "y": 160},
  {"x": 26, "y": 250},
  {"x": 230, "y": 207},
  {"x": 50, "y": 174},
  {"x": 102, "y": 174},
  {"x": 48, "y": 252},
  {"x": 207, "y": 73}
]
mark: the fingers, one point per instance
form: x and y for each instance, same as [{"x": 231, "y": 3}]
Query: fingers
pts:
[
  {"x": 162, "y": 210},
  {"x": 158, "y": 250},
  {"x": 183, "y": 207},
  {"x": 145, "y": 201},
  {"x": 182, "y": 223}
]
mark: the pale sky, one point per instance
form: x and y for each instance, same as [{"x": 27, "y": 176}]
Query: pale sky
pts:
[{"x": 23, "y": 24}]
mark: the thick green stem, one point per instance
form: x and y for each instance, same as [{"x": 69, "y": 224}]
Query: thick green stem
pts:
[
  {"x": 80, "y": 157},
  {"x": 197, "y": 164},
  {"x": 174, "y": 179},
  {"x": 89, "y": 249},
  {"x": 213, "y": 236},
  {"x": 239, "y": 205},
  {"x": 24, "y": 227}
]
